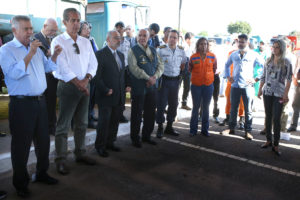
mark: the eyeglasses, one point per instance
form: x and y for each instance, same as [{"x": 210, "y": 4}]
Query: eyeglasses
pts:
[{"x": 76, "y": 48}]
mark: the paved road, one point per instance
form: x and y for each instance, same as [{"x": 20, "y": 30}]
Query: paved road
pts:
[{"x": 218, "y": 167}]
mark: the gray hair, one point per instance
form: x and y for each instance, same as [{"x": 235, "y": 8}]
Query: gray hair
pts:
[
  {"x": 16, "y": 20},
  {"x": 109, "y": 33},
  {"x": 145, "y": 29},
  {"x": 68, "y": 11}
]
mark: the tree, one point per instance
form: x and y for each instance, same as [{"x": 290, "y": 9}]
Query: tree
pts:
[
  {"x": 239, "y": 27},
  {"x": 203, "y": 33}
]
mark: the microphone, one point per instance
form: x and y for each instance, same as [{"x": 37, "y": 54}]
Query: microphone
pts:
[{"x": 32, "y": 38}]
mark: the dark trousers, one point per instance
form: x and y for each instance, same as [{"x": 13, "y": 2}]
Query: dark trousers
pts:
[
  {"x": 28, "y": 122},
  {"x": 50, "y": 95},
  {"x": 186, "y": 79},
  {"x": 108, "y": 124},
  {"x": 273, "y": 110},
  {"x": 216, "y": 110},
  {"x": 92, "y": 101},
  {"x": 167, "y": 95},
  {"x": 142, "y": 105}
]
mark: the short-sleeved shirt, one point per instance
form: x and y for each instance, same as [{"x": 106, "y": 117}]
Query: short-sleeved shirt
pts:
[
  {"x": 172, "y": 59},
  {"x": 275, "y": 78}
]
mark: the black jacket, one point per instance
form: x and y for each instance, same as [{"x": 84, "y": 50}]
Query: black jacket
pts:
[
  {"x": 43, "y": 40},
  {"x": 109, "y": 76}
]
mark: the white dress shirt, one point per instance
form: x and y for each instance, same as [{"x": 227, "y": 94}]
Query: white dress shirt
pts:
[{"x": 70, "y": 64}]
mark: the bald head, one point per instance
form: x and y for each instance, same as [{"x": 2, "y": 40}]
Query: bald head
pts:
[
  {"x": 143, "y": 37},
  {"x": 50, "y": 28},
  {"x": 113, "y": 39}
]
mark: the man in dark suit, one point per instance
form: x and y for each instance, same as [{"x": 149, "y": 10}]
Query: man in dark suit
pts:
[
  {"x": 46, "y": 35},
  {"x": 110, "y": 89}
]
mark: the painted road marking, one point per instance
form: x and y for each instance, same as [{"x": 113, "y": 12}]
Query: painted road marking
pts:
[{"x": 227, "y": 155}]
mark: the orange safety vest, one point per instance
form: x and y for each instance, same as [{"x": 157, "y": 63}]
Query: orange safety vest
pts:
[{"x": 202, "y": 72}]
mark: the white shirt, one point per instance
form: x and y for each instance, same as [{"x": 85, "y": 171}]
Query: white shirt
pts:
[
  {"x": 172, "y": 60},
  {"x": 72, "y": 65},
  {"x": 189, "y": 50}
]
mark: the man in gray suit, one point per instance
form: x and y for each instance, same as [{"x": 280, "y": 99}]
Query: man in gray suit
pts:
[{"x": 46, "y": 35}]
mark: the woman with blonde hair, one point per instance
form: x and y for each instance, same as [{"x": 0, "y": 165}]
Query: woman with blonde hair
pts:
[{"x": 274, "y": 86}]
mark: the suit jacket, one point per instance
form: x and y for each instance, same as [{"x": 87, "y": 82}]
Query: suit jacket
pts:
[
  {"x": 109, "y": 76},
  {"x": 43, "y": 40}
]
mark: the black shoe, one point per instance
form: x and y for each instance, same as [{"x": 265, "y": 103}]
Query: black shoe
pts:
[
  {"x": 231, "y": 132},
  {"x": 160, "y": 131},
  {"x": 266, "y": 145},
  {"x": 169, "y": 130},
  {"x": 113, "y": 148},
  {"x": 3, "y": 195},
  {"x": 290, "y": 129},
  {"x": 205, "y": 134},
  {"x": 149, "y": 141},
  {"x": 24, "y": 193},
  {"x": 137, "y": 144},
  {"x": 101, "y": 152},
  {"x": 85, "y": 160},
  {"x": 277, "y": 152},
  {"x": 2, "y": 134},
  {"x": 217, "y": 120},
  {"x": 44, "y": 178},
  {"x": 123, "y": 119},
  {"x": 62, "y": 168},
  {"x": 92, "y": 125},
  {"x": 263, "y": 132}
]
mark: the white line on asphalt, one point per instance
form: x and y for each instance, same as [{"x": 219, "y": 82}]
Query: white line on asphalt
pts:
[{"x": 252, "y": 162}]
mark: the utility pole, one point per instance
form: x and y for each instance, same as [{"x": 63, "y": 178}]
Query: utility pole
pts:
[{"x": 179, "y": 14}]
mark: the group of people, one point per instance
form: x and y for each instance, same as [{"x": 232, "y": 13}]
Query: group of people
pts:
[{"x": 41, "y": 68}]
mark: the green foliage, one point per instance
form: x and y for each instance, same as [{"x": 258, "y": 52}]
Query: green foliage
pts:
[
  {"x": 203, "y": 33},
  {"x": 239, "y": 27}
]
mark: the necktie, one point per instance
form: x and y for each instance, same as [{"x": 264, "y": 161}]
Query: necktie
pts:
[
  {"x": 117, "y": 60},
  {"x": 48, "y": 40}
]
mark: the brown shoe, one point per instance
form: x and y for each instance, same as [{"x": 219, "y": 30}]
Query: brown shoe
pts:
[
  {"x": 248, "y": 136},
  {"x": 85, "y": 160},
  {"x": 185, "y": 107},
  {"x": 61, "y": 168}
]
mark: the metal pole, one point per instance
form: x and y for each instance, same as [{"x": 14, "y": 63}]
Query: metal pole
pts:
[{"x": 179, "y": 14}]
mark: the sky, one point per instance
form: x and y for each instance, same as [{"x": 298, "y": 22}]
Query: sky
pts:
[{"x": 266, "y": 17}]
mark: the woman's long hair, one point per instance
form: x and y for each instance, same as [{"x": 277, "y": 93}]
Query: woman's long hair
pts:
[{"x": 282, "y": 46}]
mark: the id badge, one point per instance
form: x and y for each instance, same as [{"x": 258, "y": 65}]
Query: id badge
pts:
[{"x": 273, "y": 75}]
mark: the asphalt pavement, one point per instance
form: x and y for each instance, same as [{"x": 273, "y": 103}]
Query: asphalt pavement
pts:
[{"x": 184, "y": 167}]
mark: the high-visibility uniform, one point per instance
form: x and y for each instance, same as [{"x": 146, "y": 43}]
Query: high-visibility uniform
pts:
[{"x": 203, "y": 70}]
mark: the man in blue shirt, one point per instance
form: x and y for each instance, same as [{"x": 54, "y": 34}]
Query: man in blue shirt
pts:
[
  {"x": 242, "y": 80},
  {"x": 24, "y": 66}
]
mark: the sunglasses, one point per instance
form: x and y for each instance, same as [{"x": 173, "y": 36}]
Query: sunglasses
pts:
[{"x": 77, "y": 51}]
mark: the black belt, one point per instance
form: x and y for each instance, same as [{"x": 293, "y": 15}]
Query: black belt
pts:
[
  {"x": 38, "y": 98},
  {"x": 171, "y": 77}
]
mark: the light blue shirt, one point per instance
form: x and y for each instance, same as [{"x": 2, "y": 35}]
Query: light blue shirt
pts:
[
  {"x": 172, "y": 59},
  {"x": 18, "y": 79},
  {"x": 243, "y": 69}
]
